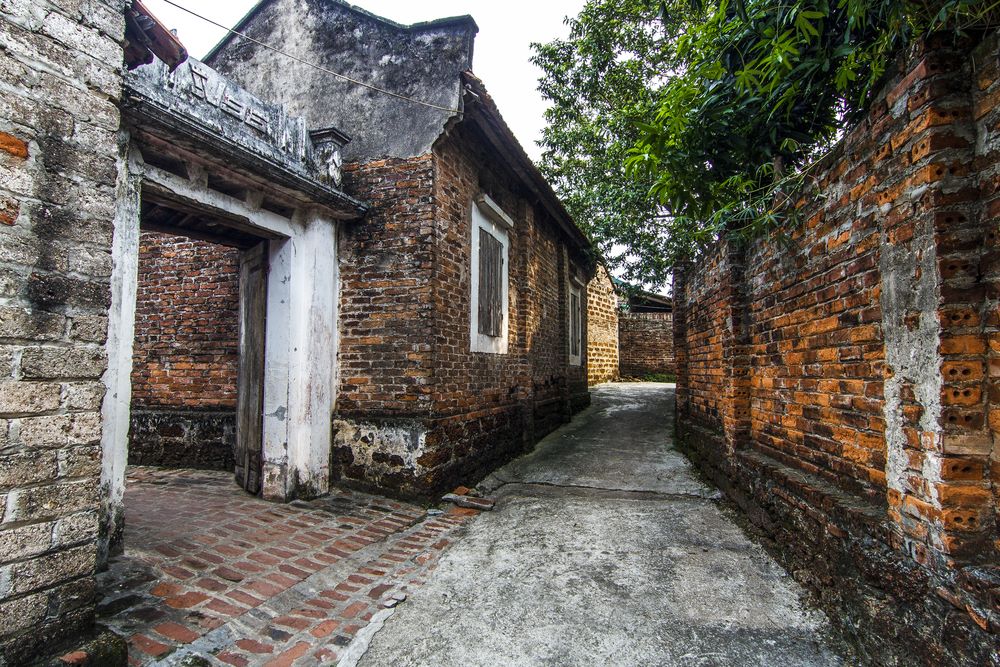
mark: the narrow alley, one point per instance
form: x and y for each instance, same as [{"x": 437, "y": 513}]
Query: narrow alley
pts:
[{"x": 605, "y": 548}]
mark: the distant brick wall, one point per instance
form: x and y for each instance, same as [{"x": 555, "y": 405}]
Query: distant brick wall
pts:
[
  {"x": 646, "y": 344},
  {"x": 838, "y": 386},
  {"x": 417, "y": 410},
  {"x": 186, "y": 354},
  {"x": 58, "y": 148},
  {"x": 602, "y": 329}
]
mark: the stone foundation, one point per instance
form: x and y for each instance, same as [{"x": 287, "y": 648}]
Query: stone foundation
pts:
[{"x": 175, "y": 438}]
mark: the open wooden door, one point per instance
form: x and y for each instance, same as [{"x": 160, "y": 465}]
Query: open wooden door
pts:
[{"x": 250, "y": 381}]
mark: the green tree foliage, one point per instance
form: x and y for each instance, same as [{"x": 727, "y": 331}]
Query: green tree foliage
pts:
[
  {"x": 602, "y": 83},
  {"x": 675, "y": 121}
]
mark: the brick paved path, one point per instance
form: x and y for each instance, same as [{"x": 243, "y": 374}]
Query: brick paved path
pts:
[{"x": 211, "y": 571}]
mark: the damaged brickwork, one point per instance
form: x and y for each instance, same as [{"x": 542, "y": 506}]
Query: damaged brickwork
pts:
[
  {"x": 602, "y": 329},
  {"x": 842, "y": 386},
  {"x": 186, "y": 354},
  {"x": 60, "y": 63}
]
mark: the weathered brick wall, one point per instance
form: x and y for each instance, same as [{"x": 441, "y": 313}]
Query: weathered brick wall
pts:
[
  {"x": 418, "y": 411},
  {"x": 836, "y": 385},
  {"x": 385, "y": 360},
  {"x": 645, "y": 344},
  {"x": 386, "y": 266},
  {"x": 59, "y": 63},
  {"x": 602, "y": 329},
  {"x": 513, "y": 399},
  {"x": 186, "y": 354},
  {"x": 986, "y": 113}
]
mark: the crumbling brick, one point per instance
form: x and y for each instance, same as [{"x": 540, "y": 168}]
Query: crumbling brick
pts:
[{"x": 843, "y": 378}]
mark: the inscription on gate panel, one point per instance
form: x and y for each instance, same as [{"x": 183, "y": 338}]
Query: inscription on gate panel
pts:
[{"x": 215, "y": 93}]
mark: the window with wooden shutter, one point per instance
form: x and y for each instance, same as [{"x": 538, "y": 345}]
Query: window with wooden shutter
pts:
[
  {"x": 489, "y": 276},
  {"x": 574, "y": 323},
  {"x": 490, "y": 284}
]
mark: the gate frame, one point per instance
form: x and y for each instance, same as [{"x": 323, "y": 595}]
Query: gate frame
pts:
[{"x": 300, "y": 333}]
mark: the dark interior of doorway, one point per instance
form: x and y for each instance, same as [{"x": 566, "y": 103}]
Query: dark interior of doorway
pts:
[{"x": 190, "y": 385}]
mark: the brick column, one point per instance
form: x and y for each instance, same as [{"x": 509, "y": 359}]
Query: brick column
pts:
[
  {"x": 934, "y": 310},
  {"x": 736, "y": 350}
]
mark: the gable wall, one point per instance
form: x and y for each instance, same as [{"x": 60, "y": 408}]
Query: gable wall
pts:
[
  {"x": 602, "y": 329},
  {"x": 424, "y": 63}
]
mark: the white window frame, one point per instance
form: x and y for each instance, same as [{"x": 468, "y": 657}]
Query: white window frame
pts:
[
  {"x": 488, "y": 216},
  {"x": 574, "y": 289}
]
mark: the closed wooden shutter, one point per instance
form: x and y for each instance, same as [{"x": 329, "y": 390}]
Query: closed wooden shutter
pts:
[
  {"x": 490, "y": 284},
  {"x": 574, "y": 315}
]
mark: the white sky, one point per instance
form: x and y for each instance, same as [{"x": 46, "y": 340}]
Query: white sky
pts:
[{"x": 506, "y": 30}]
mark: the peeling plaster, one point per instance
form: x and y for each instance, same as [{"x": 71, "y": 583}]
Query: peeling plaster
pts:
[
  {"x": 121, "y": 332},
  {"x": 383, "y": 447},
  {"x": 910, "y": 285}
]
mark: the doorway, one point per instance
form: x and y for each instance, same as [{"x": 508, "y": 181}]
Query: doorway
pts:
[
  {"x": 285, "y": 296},
  {"x": 198, "y": 353}
]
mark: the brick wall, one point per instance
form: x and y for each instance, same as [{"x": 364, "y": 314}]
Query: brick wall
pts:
[
  {"x": 186, "y": 354},
  {"x": 646, "y": 344},
  {"x": 602, "y": 329},
  {"x": 60, "y": 65},
  {"x": 417, "y": 410},
  {"x": 986, "y": 113},
  {"x": 837, "y": 386}
]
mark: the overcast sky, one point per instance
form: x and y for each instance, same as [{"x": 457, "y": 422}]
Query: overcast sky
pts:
[{"x": 506, "y": 30}]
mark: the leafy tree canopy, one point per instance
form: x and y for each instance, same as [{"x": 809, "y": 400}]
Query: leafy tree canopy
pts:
[{"x": 674, "y": 121}]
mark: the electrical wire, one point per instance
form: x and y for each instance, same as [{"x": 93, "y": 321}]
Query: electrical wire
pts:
[{"x": 309, "y": 64}]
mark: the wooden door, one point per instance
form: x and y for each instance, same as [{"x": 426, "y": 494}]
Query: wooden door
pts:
[{"x": 250, "y": 381}]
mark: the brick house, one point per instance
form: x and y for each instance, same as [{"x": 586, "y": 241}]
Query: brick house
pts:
[
  {"x": 185, "y": 260},
  {"x": 435, "y": 384}
]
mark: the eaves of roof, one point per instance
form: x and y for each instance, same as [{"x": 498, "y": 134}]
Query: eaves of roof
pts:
[{"x": 481, "y": 108}]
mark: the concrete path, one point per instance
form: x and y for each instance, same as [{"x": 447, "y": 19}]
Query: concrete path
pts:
[{"x": 605, "y": 549}]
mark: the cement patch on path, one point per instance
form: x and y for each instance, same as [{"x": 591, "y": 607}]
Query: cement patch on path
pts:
[{"x": 605, "y": 548}]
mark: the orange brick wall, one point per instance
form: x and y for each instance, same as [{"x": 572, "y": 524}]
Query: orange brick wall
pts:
[
  {"x": 602, "y": 329},
  {"x": 187, "y": 324},
  {"x": 645, "y": 344},
  {"x": 839, "y": 383},
  {"x": 186, "y": 354}
]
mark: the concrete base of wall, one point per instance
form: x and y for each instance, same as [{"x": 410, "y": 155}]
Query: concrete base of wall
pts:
[
  {"x": 182, "y": 438},
  {"x": 882, "y": 602},
  {"x": 423, "y": 458}
]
